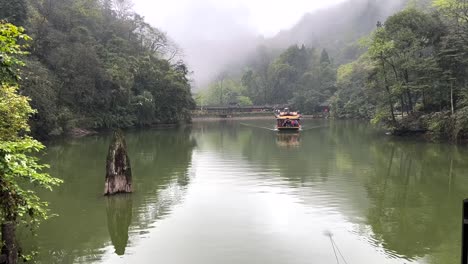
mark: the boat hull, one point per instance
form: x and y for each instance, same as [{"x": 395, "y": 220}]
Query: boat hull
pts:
[{"x": 288, "y": 128}]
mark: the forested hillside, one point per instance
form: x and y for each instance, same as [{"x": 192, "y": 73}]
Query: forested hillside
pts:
[
  {"x": 97, "y": 64},
  {"x": 336, "y": 29},
  {"x": 408, "y": 73}
]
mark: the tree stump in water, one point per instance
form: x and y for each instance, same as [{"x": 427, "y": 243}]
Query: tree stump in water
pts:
[
  {"x": 118, "y": 170},
  {"x": 10, "y": 248}
]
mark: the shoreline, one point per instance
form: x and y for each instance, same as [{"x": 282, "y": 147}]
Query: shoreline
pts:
[
  {"x": 253, "y": 117},
  {"x": 400, "y": 133}
]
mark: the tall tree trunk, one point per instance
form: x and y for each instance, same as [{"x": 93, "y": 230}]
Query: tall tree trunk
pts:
[
  {"x": 118, "y": 169},
  {"x": 452, "y": 107},
  {"x": 408, "y": 92},
  {"x": 10, "y": 247},
  {"x": 390, "y": 101},
  {"x": 402, "y": 101},
  {"x": 424, "y": 99},
  {"x": 410, "y": 101},
  {"x": 221, "y": 90}
]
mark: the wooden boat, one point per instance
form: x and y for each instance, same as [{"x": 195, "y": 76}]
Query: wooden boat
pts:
[{"x": 288, "y": 121}]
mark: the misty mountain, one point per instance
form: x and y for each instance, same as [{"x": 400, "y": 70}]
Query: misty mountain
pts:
[{"x": 338, "y": 27}]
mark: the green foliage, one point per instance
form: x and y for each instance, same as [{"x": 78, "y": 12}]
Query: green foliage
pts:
[
  {"x": 13, "y": 11},
  {"x": 10, "y": 48},
  {"x": 298, "y": 76},
  {"x": 354, "y": 97},
  {"x": 225, "y": 92},
  {"x": 460, "y": 129},
  {"x": 412, "y": 66},
  {"x": 97, "y": 64},
  {"x": 14, "y": 113},
  {"x": 244, "y": 101},
  {"x": 19, "y": 165}
]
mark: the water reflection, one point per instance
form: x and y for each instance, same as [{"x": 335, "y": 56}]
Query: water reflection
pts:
[
  {"x": 161, "y": 160},
  {"x": 119, "y": 216},
  {"x": 288, "y": 140},
  {"x": 416, "y": 192},
  {"x": 259, "y": 196},
  {"x": 404, "y": 194}
]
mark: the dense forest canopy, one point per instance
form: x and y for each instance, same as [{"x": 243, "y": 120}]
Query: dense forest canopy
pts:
[
  {"x": 408, "y": 72},
  {"x": 97, "y": 64}
]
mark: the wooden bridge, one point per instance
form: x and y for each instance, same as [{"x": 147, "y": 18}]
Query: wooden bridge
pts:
[{"x": 227, "y": 111}]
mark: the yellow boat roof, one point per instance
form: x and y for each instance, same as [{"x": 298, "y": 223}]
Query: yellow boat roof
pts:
[{"x": 289, "y": 117}]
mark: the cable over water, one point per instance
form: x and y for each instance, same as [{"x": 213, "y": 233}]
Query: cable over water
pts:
[
  {"x": 267, "y": 128},
  {"x": 315, "y": 127}
]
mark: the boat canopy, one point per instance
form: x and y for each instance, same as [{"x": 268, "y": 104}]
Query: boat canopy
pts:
[{"x": 291, "y": 117}]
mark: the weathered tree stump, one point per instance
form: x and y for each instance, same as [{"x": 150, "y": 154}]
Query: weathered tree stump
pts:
[
  {"x": 118, "y": 169},
  {"x": 10, "y": 247}
]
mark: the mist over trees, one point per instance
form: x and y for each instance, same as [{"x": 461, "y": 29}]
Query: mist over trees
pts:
[
  {"x": 337, "y": 29},
  {"x": 407, "y": 71},
  {"x": 414, "y": 72},
  {"x": 97, "y": 64}
]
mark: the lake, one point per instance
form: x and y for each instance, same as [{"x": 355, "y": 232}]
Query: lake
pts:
[{"x": 238, "y": 192}]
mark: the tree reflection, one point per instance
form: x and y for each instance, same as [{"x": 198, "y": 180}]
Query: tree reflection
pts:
[
  {"x": 119, "y": 217},
  {"x": 161, "y": 160},
  {"x": 415, "y": 190},
  {"x": 412, "y": 189},
  {"x": 416, "y": 195}
]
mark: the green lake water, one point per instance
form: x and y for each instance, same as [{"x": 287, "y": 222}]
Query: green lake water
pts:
[{"x": 236, "y": 192}]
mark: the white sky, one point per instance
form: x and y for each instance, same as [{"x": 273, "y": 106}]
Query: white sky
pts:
[
  {"x": 266, "y": 17},
  {"x": 215, "y": 33}
]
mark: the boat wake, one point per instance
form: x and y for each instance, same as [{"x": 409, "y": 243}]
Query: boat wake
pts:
[
  {"x": 267, "y": 128},
  {"x": 274, "y": 129}
]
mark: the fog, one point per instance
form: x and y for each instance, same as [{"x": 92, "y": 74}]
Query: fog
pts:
[{"x": 214, "y": 34}]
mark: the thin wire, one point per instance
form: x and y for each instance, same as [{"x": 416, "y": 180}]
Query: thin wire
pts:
[
  {"x": 244, "y": 124},
  {"x": 339, "y": 251},
  {"x": 334, "y": 251},
  {"x": 310, "y": 128}
]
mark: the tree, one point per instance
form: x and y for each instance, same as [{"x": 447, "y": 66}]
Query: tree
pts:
[
  {"x": 324, "y": 57},
  {"x": 13, "y": 11},
  {"x": 353, "y": 98},
  {"x": 18, "y": 163},
  {"x": 452, "y": 50},
  {"x": 225, "y": 92},
  {"x": 92, "y": 65},
  {"x": 380, "y": 49}
]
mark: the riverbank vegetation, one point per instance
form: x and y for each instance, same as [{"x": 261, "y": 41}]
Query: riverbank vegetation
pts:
[
  {"x": 19, "y": 165},
  {"x": 408, "y": 74},
  {"x": 97, "y": 64}
]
